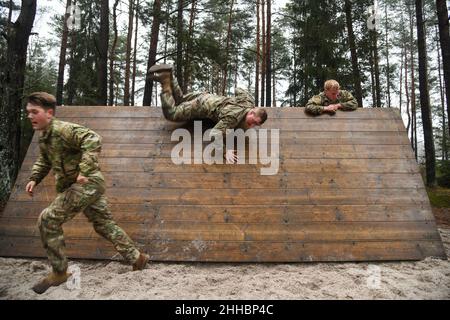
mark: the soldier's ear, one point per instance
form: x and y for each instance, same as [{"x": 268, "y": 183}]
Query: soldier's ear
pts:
[{"x": 51, "y": 112}]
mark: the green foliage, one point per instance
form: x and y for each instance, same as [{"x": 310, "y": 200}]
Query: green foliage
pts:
[
  {"x": 210, "y": 40},
  {"x": 443, "y": 174},
  {"x": 82, "y": 87},
  {"x": 119, "y": 66},
  {"x": 439, "y": 197},
  {"x": 320, "y": 48},
  {"x": 40, "y": 75}
]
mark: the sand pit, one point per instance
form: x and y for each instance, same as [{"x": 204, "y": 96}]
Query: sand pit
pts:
[{"x": 427, "y": 279}]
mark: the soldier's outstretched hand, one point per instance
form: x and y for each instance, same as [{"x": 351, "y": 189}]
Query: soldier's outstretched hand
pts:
[
  {"x": 231, "y": 157},
  {"x": 332, "y": 107},
  {"x": 29, "y": 188}
]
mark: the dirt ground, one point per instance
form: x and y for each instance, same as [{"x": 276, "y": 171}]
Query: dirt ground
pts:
[
  {"x": 442, "y": 216},
  {"x": 427, "y": 279}
]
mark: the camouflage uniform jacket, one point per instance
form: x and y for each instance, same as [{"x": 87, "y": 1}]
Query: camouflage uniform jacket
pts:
[
  {"x": 226, "y": 112},
  {"x": 315, "y": 104},
  {"x": 68, "y": 149}
]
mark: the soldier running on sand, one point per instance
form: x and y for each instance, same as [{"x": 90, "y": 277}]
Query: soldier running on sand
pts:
[{"x": 71, "y": 151}]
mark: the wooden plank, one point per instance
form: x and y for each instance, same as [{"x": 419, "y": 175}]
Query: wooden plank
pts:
[
  {"x": 255, "y": 181},
  {"x": 184, "y": 231},
  {"x": 280, "y": 214},
  {"x": 289, "y": 252},
  {"x": 78, "y": 229},
  {"x": 291, "y": 152},
  {"x": 307, "y": 231},
  {"x": 80, "y": 248},
  {"x": 246, "y": 251},
  {"x": 156, "y": 112},
  {"x": 208, "y": 196},
  {"x": 287, "y": 138},
  {"x": 316, "y": 124},
  {"x": 121, "y": 212},
  {"x": 165, "y": 165}
]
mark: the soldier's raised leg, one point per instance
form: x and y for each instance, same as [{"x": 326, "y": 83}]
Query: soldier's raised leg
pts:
[
  {"x": 100, "y": 216},
  {"x": 157, "y": 72},
  {"x": 66, "y": 205}
]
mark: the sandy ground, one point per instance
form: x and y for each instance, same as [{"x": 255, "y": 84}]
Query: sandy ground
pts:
[{"x": 427, "y": 279}]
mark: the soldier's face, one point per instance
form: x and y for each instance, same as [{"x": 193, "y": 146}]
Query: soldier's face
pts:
[
  {"x": 252, "y": 120},
  {"x": 39, "y": 117},
  {"x": 332, "y": 94}
]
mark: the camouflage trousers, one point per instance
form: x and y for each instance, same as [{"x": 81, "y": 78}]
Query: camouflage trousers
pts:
[
  {"x": 180, "y": 107},
  {"x": 89, "y": 199}
]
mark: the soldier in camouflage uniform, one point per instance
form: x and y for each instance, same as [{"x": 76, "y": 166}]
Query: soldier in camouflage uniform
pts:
[
  {"x": 227, "y": 112},
  {"x": 331, "y": 100},
  {"x": 71, "y": 151}
]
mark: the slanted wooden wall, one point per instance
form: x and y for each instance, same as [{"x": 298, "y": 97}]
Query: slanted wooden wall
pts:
[{"x": 348, "y": 189}]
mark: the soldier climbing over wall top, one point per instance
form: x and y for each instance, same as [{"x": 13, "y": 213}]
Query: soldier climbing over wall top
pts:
[
  {"x": 227, "y": 112},
  {"x": 331, "y": 100},
  {"x": 71, "y": 151}
]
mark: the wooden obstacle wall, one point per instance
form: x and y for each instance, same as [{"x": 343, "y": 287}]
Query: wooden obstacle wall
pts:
[{"x": 348, "y": 189}]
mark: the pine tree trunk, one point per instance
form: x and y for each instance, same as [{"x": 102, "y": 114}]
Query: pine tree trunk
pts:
[
  {"x": 227, "y": 50},
  {"x": 126, "y": 96},
  {"x": 166, "y": 32},
  {"x": 235, "y": 75},
  {"x": 263, "y": 53},
  {"x": 103, "y": 41},
  {"x": 10, "y": 11},
  {"x": 413, "y": 85},
  {"x": 377, "y": 68},
  {"x": 354, "y": 53},
  {"x": 70, "y": 81},
  {"x": 294, "y": 56},
  {"x": 372, "y": 77},
  {"x": 402, "y": 63},
  {"x": 442, "y": 92},
  {"x": 258, "y": 52},
  {"x": 11, "y": 92},
  {"x": 388, "y": 68},
  {"x": 274, "y": 84},
  {"x": 148, "y": 90},
  {"x": 430, "y": 154},
  {"x": 112, "y": 55},
  {"x": 444, "y": 37},
  {"x": 179, "y": 66},
  {"x": 408, "y": 125},
  {"x": 133, "y": 77},
  {"x": 268, "y": 55},
  {"x": 401, "y": 82},
  {"x": 62, "y": 57},
  {"x": 188, "y": 67}
]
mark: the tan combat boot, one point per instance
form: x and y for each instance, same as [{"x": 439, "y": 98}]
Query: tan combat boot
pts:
[
  {"x": 140, "y": 262},
  {"x": 158, "y": 68},
  {"x": 165, "y": 78},
  {"x": 163, "y": 74},
  {"x": 54, "y": 279}
]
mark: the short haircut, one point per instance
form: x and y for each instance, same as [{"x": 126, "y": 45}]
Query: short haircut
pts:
[
  {"x": 331, "y": 84},
  {"x": 43, "y": 99},
  {"x": 262, "y": 114}
]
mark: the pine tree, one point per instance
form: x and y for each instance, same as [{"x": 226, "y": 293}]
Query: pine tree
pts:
[{"x": 12, "y": 76}]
